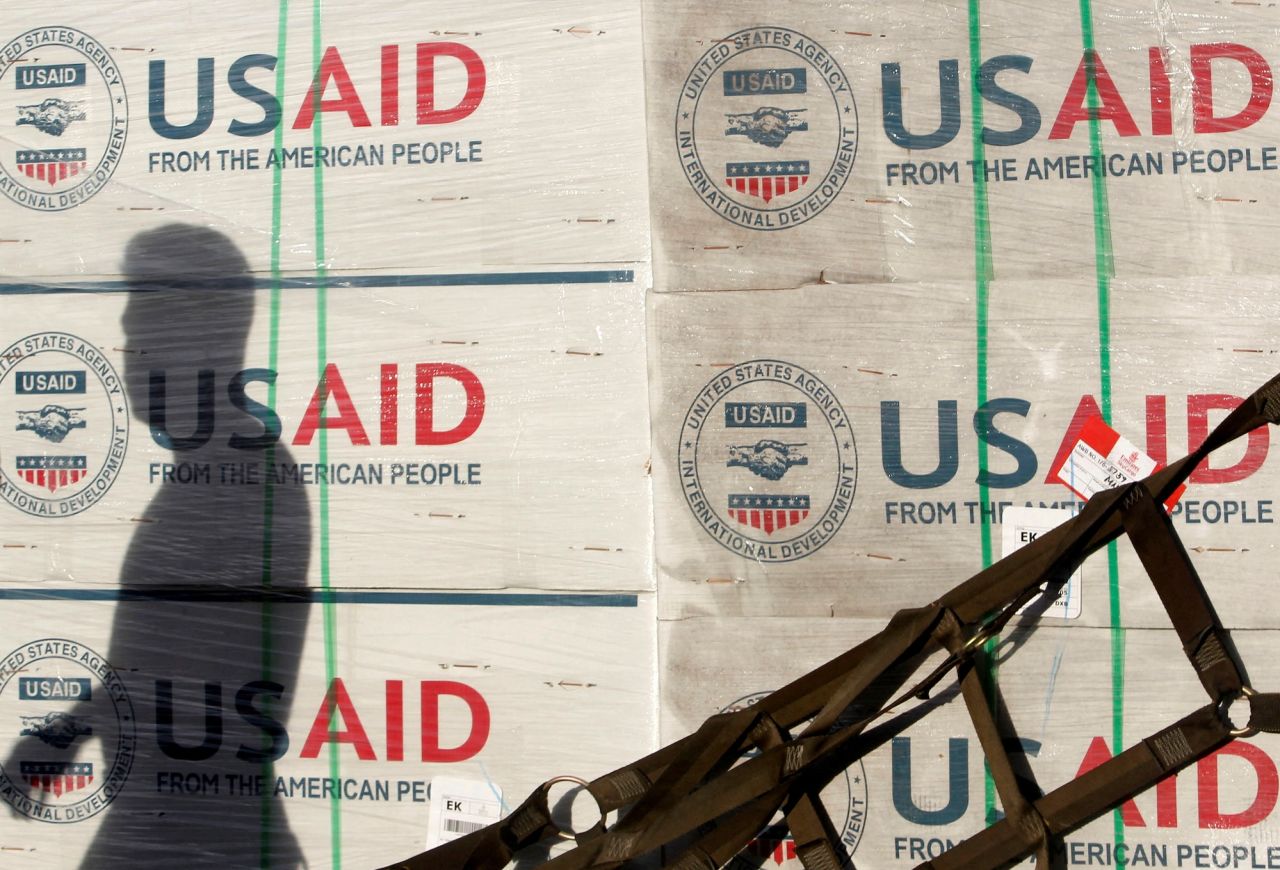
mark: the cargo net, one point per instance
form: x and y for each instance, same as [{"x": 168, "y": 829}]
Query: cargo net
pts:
[{"x": 697, "y": 803}]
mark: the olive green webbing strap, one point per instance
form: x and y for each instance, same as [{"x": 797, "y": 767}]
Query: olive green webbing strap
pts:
[
  {"x": 702, "y": 783},
  {"x": 1207, "y": 646},
  {"x": 1068, "y": 808},
  {"x": 491, "y": 847},
  {"x": 817, "y": 849},
  {"x": 1191, "y": 613},
  {"x": 1185, "y": 600},
  {"x": 990, "y": 589},
  {"x": 670, "y": 806}
]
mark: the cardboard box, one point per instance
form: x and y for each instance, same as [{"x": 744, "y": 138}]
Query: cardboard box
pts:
[
  {"x": 921, "y": 142},
  {"x": 439, "y": 446},
  {"x": 864, "y": 412},
  {"x": 323, "y": 372},
  {"x": 438, "y": 143},
  {"x": 158, "y": 729}
]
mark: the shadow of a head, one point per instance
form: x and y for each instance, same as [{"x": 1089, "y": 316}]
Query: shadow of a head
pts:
[{"x": 190, "y": 305}]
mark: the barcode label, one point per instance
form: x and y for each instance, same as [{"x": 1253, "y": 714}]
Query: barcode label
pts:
[
  {"x": 461, "y": 826},
  {"x": 1021, "y": 526},
  {"x": 461, "y": 806}
]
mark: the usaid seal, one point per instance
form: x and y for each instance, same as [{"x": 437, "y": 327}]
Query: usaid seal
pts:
[
  {"x": 844, "y": 798},
  {"x": 767, "y": 461},
  {"x": 64, "y": 424},
  {"x": 766, "y": 128},
  {"x": 67, "y": 118},
  {"x": 67, "y": 731}
]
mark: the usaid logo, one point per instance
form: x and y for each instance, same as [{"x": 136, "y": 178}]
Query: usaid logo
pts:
[
  {"x": 767, "y": 461},
  {"x": 65, "y": 115},
  {"x": 67, "y": 731},
  {"x": 766, "y": 128},
  {"x": 54, "y": 688},
  {"x": 64, "y": 424}
]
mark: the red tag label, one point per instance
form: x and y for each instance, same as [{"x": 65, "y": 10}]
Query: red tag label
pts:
[{"x": 1102, "y": 459}]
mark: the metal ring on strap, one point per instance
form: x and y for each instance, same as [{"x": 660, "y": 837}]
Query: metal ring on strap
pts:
[
  {"x": 570, "y": 834},
  {"x": 1225, "y": 703}
]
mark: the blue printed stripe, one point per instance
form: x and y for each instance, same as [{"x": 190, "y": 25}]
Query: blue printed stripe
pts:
[
  {"x": 764, "y": 169},
  {"x": 56, "y": 155},
  {"x": 321, "y": 596},
  {"x": 356, "y": 282}
]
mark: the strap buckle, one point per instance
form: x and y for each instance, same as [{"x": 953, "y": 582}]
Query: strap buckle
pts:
[{"x": 981, "y": 636}]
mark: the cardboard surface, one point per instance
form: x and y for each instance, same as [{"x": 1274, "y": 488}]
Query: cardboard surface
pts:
[
  {"x": 352, "y": 343},
  {"x": 904, "y": 181},
  {"x": 206, "y": 738},
  {"x": 456, "y": 450},
  {"x": 324, "y": 370},
  {"x": 889, "y": 428},
  {"x": 440, "y": 144}
]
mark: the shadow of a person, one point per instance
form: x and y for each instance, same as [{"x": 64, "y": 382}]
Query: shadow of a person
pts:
[{"x": 205, "y": 634}]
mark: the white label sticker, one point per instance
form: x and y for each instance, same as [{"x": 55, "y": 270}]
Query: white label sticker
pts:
[
  {"x": 1021, "y": 526},
  {"x": 460, "y": 806}
]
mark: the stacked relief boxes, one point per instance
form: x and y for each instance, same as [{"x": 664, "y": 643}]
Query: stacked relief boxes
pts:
[
  {"x": 902, "y": 257},
  {"x": 324, "y": 456},
  {"x": 400, "y": 407}
]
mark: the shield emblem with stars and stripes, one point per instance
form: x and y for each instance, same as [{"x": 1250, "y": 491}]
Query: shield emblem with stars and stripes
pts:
[
  {"x": 769, "y": 179},
  {"x": 53, "y": 165},
  {"x": 57, "y": 777},
  {"x": 52, "y": 472},
  {"x": 768, "y": 513}
]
